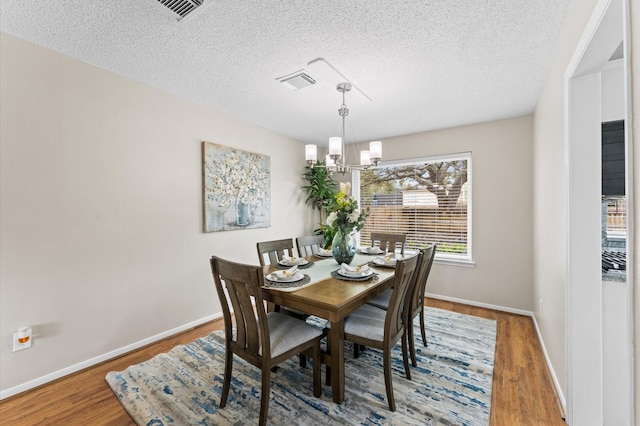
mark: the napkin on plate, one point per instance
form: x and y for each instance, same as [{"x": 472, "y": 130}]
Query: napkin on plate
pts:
[
  {"x": 286, "y": 273},
  {"x": 291, "y": 259},
  {"x": 364, "y": 269},
  {"x": 324, "y": 252},
  {"x": 388, "y": 259}
]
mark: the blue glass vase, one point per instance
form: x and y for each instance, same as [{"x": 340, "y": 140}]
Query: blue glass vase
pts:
[{"x": 343, "y": 246}]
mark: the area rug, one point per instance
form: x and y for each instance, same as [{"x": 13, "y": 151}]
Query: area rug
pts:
[{"x": 450, "y": 386}]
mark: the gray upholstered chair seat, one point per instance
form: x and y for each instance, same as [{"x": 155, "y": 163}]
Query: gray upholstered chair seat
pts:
[
  {"x": 366, "y": 321},
  {"x": 287, "y": 332},
  {"x": 382, "y": 300}
]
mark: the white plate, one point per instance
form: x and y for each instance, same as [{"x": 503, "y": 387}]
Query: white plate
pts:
[
  {"x": 354, "y": 274},
  {"x": 384, "y": 262},
  {"x": 293, "y": 262},
  {"x": 282, "y": 279},
  {"x": 371, "y": 250}
]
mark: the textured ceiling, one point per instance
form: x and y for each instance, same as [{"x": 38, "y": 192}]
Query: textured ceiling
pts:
[{"x": 425, "y": 64}]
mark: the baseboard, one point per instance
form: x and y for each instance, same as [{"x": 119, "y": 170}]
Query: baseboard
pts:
[
  {"x": 102, "y": 358},
  {"x": 480, "y": 304},
  {"x": 556, "y": 383}
]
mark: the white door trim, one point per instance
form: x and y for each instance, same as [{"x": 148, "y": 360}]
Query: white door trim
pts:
[{"x": 607, "y": 27}]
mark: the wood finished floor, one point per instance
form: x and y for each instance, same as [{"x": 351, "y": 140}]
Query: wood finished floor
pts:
[{"x": 523, "y": 392}]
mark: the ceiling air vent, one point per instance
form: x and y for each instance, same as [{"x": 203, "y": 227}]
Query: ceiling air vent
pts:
[
  {"x": 181, "y": 9},
  {"x": 297, "y": 80}
]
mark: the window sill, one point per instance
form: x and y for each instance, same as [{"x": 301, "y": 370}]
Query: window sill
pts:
[{"x": 467, "y": 263}]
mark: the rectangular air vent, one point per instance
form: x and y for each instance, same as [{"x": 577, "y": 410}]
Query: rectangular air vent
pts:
[
  {"x": 181, "y": 9},
  {"x": 297, "y": 80}
]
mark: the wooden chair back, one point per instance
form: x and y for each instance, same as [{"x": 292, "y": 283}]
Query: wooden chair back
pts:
[
  {"x": 415, "y": 297},
  {"x": 394, "y": 321},
  {"x": 389, "y": 242},
  {"x": 243, "y": 283},
  {"x": 309, "y": 245},
  {"x": 275, "y": 250}
]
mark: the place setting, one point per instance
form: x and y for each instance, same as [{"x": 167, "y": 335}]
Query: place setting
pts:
[
  {"x": 385, "y": 261},
  {"x": 354, "y": 273},
  {"x": 289, "y": 261},
  {"x": 370, "y": 251},
  {"x": 323, "y": 253},
  {"x": 289, "y": 278}
]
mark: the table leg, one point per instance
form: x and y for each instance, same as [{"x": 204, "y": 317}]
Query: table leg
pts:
[{"x": 336, "y": 338}]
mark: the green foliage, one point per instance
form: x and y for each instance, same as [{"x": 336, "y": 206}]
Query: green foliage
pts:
[
  {"x": 452, "y": 248},
  {"x": 320, "y": 187}
]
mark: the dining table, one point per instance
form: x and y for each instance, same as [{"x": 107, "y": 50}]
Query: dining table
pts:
[{"x": 329, "y": 295}]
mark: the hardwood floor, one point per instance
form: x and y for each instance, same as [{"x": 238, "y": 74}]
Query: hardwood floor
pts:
[{"x": 523, "y": 392}]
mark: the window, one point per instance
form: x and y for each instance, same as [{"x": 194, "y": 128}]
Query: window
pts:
[{"x": 429, "y": 199}]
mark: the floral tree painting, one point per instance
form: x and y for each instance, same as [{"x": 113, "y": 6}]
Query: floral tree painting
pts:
[{"x": 236, "y": 187}]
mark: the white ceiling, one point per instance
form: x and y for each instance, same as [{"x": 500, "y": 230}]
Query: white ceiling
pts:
[{"x": 425, "y": 64}]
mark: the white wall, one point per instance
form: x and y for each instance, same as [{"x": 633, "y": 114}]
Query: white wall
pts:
[
  {"x": 502, "y": 210},
  {"x": 101, "y": 212}
]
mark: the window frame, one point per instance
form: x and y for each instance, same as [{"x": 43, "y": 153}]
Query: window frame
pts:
[{"x": 447, "y": 258}]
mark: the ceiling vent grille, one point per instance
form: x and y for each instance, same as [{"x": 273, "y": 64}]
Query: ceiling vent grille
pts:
[
  {"x": 297, "y": 80},
  {"x": 181, "y": 9}
]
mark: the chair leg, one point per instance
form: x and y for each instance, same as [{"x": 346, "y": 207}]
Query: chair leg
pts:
[
  {"x": 303, "y": 361},
  {"x": 317, "y": 368},
  {"x": 327, "y": 370},
  {"x": 228, "y": 366},
  {"x": 356, "y": 350},
  {"x": 422, "y": 330},
  {"x": 265, "y": 396},
  {"x": 387, "y": 378},
  {"x": 405, "y": 357},
  {"x": 412, "y": 345}
]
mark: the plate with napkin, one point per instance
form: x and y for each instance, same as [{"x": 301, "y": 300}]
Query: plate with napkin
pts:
[
  {"x": 286, "y": 276},
  {"x": 387, "y": 261},
  {"x": 292, "y": 261},
  {"x": 324, "y": 253},
  {"x": 371, "y": 250},
  {"x": 355, "y": 271}
]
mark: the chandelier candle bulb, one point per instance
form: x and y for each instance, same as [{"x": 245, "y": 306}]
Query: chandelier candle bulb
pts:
[
  {"x": 365, "y": 158},
  {"x": 335, "y": 146},
  {"x": 375, "y": 150},
  {"x": 311, "y": 153}
]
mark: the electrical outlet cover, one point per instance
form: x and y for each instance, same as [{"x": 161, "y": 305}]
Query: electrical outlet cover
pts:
[{"x": 22, "y": 339}]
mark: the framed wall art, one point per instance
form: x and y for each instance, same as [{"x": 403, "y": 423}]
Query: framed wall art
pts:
[{"x": 236, "y": 188}]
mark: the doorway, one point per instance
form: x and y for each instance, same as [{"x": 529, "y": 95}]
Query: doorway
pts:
[{"x": 598, "y": 321}]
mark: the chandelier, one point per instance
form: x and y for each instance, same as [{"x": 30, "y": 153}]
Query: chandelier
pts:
[{"x": 336, "y": 158}]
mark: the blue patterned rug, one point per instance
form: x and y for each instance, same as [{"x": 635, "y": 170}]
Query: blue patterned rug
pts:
[{"x": 450, "y": 386}]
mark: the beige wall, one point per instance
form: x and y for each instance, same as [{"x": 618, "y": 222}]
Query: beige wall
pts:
[
  {"x": 502, "y": 169},
  {"x": 102, "y": 243}
]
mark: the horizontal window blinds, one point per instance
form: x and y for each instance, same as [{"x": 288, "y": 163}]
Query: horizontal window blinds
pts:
[{"x": 428, "y": 200}]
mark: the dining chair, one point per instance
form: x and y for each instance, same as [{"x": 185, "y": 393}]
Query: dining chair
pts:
[
  {"x": 382, "y": 329},
  {"x": 274, "y": 250},
  {"x": 309, "y": 245},
  {"x": 415, "y": 299},
  {"x": 389, "y": 242},
  {"x": 265, "y": 340}
]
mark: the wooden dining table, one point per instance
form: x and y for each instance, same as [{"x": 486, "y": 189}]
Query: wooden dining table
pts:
[{"x": 332, "y": 299}]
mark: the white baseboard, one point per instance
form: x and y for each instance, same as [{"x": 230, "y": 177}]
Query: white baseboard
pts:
[
  {"x": 556, "y": 383},
  {"x": 104, "y": 357},
  {"x": 480, "y": 304}
]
